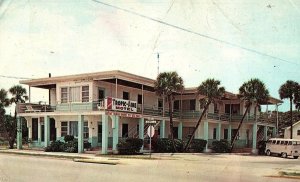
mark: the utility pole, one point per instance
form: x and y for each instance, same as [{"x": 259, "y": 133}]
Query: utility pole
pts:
[{"x": 157, "y": 63}]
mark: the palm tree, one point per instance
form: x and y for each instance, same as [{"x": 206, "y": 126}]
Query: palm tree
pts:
[
  {"x": 251, "y": 92},
  {"x": 297, "y": 99},
  {"x": 18, "y": 96},
  {"x": 166, "y": 84},
  {"x": 212, "y": 91},
  {"x": 290, "y": 90},
  {"x": 4, "y": 101}
]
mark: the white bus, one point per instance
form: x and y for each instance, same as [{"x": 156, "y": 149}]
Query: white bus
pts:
[{"x": 283, "y": 147}]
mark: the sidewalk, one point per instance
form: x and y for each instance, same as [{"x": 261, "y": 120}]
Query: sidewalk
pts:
[{"x": 84, "y": 157}]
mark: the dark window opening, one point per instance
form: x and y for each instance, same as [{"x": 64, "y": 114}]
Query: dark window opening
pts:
[
  {"x": 176, "y": 105},
  {"x": 225, "y": 134},
  {"x": 124, "y": 130},
  {"x": 215, "y": 133},
  {"x": 140, "y": 98},
  {"x": 126, "y": 95},
  {"x": 193, "y": 105}
]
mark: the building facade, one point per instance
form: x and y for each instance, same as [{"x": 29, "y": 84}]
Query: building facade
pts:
[{"x": 103, "y": 107}]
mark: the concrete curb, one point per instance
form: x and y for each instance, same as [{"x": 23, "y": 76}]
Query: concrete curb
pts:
[
  {"x": 96, "y": 161},
  {"x": 42, "y": 154}
]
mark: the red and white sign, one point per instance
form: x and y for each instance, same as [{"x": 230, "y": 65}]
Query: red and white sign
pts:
[
  {"x": 150, "y": 131},
  {"x": 116, "y": 104},
  {"x": 126, "y": 115}
]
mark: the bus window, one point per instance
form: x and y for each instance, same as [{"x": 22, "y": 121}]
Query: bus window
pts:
[
  {"x": 269, "y": 141},
  {"x": 290, "y": 142},
  {"x": 282, "y": 142},
  {"x": 278, "y": 142},
  {"x": 286, "y": 142},
  {"x": 274, "y": 141}
]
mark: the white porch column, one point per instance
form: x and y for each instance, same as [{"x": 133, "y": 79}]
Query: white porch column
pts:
[
  {"x": 218, "y": 131},
  {"x": 80, "y": 133},
  {"x": 104, "y": 134},
  {"x": 47, "y": 131}
]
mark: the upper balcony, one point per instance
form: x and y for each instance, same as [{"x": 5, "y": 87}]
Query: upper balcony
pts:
[{"x": 126, "y": 106}]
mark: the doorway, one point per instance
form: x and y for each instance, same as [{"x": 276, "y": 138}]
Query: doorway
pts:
[
  {"x": 124, "y": 130},
  {"x": 52, "y": 130}
]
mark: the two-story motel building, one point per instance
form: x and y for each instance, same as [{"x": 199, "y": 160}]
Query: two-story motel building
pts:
[{"x": 103, "y": 107}]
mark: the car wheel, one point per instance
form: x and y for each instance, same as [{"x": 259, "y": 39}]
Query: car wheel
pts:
[
  {"x": 268, "y": 152},
  {"x": 296, "y": 157},
  {"x": 283, "y": 155}
]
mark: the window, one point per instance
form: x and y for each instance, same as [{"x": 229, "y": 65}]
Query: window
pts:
[
  {"x": 274, "y": 142},
  {"x": 74, "y": 94},
  {"x": 278, "y": 142},
  {"x": 234, "y": 131},
  {"x": 225, "y": 134},
  {"x": 176, "y": 105},
  {"x": 215, "y": 133},
  {"x": 193, "y": 105},
  {"x": 42, "y": 129},
  {"x": 64, "y": 95},
  {"x": 126, "y": 95},
  {"x": 160, "y": 103},
  {"x": 140, "y": 99},
  {"x": 73, "y": 128},
  {"x": 64, "y": 128},
  {"x": 298, "y": 132},
  {"x": 85, "y": 130},
  {"x": 216, "y": 108},
  {"x": 85, "y": 94}
]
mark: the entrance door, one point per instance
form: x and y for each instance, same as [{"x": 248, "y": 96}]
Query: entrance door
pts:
[
  {"x": 35, "y": 129},
  {"x": 124, "y": 130},
  {"x": 52, "y": 130}
]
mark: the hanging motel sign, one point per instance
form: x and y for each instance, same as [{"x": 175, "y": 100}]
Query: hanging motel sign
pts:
[{"x": 116, "y": 104}]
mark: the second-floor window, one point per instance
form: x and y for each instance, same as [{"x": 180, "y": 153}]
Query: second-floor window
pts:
[
  {"x": 64, "y": 95},
  {"x": 160, "y": 103},
  {"x": 126, "y": 95},
  {"x": 176, "y": 105},
  {"x": 85, "y": 94},
  {"x": 193, "y": 105},
  {"x": 140, "y": 98}
]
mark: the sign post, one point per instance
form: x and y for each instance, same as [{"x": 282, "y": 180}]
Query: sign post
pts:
[{"x": 151, "y": 131}]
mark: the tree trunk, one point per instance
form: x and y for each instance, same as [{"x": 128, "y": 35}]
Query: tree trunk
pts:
[
  {"x": 291, "y": 110},
  {"x": 171, "y": 122},
  {"x": 240, "y": 124},
  {"x": 196, "y": 127}
]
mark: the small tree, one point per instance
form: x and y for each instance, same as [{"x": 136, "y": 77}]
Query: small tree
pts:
[
  {"x": 212, "y": 91},
  {"x": 290, "y": 90},
  {"x": 166, "y": 84},
  {"x": 252, "y": 92}
]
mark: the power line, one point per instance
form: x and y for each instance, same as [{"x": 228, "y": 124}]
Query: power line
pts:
[
  {"x": 14, "y": 77},
  {"x": 196, "y": 33}
]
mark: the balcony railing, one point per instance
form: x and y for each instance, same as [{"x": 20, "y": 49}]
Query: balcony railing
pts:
[{"x": 147, "y": 110}]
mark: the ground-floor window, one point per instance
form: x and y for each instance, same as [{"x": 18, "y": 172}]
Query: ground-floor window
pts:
[
  {"x": 234, "y": 131},
  {"x": 215, "y": 133},
  {"x": 71, "y": 128},
  {"x": 298, "y": 132},
  {"x": 64, "y": 128},
  {"x": 225, "y": 134}
]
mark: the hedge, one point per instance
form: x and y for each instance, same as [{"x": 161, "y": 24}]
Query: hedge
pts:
[
  {"x": 222, "y": 146},
  {"x": 130, "y": 146},
  {"x": 70, "y": 145},
  {"x": 165, "y": 145}
]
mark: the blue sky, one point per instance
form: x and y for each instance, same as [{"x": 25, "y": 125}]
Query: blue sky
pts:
[{"x": 70, "y": 37}]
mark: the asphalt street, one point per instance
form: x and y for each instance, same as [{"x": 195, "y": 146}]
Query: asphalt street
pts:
[{"x": 184, "y": 167}]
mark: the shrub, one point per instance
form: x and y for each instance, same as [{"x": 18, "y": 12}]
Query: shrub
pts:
[
  {"x": 71, "y": 146},
  {"x": 56, "y": 146},
  {"x": 130, "y": 146},
  {"x": 87, "y": 145},
  {"x": 198, "y": 145},
  {"x": 69, "y": 138},
  {"x": 166, "y": 145},
  {"x": 221, "y": 146}
]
